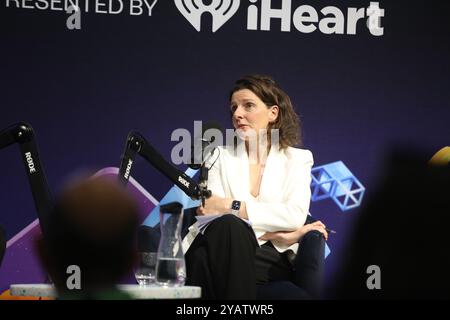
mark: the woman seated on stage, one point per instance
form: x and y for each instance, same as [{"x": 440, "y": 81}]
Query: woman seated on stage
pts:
[{"x": 264, "y": 179}]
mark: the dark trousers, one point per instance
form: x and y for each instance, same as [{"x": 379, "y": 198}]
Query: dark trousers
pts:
[
  {"x": 279, "y": 277},
  {"x": 222, "y": 260},
  {"x": 228, "y": 264}
]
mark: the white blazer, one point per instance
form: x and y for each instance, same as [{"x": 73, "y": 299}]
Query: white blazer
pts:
[{"x": 284, "y": 196}]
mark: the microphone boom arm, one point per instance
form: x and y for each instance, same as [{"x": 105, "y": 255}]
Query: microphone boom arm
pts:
[
  {"x": 137, "y": 144},
  {"x": 23, "y": 134}
]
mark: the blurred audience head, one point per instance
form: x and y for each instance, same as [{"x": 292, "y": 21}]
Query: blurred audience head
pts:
[
  {"x": 441, "y": 158},
  {"x": 93, "y": 227}
]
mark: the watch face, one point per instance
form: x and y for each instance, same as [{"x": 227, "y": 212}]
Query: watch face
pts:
[{"x": 236, "y": 205}]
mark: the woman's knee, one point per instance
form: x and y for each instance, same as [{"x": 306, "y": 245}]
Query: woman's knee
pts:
[
  {"x": 312, "y": 248},
  {"x": 314, "y": 235},
  {"x": 228, "y": 221},
  {"x": 231, "y": 227}
]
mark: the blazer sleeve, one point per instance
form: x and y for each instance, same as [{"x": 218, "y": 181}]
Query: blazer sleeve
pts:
[{"x": 291, "y": 213}]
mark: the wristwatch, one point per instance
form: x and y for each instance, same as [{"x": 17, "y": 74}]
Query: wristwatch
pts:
[{"x": 235, "y": 206}]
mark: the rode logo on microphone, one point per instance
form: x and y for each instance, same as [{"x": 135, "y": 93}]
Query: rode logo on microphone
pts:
[
  {"x": 128, "y": 170},
  {"x": 30, "y": 162},
  {"x": 183, "y": 181},
  {"x": 264, "y": 15}
]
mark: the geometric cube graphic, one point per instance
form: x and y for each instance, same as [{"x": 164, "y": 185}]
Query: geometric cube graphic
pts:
[{"x": 335, "y": 181}]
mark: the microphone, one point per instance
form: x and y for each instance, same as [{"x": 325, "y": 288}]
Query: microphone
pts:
[
  {"x": 202, "y": 149},
  {"x": 204, "y": 144}
]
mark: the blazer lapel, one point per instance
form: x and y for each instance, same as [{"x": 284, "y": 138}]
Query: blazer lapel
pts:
[
  {"x": 273, "y": 176},
  {"x": 237, "y": 174}
]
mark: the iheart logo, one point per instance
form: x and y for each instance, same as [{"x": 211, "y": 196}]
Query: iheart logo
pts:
[{"x": 220, "y": 10}]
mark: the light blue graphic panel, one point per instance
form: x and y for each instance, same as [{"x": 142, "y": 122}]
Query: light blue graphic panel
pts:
[{"x": 327, "y": 250}]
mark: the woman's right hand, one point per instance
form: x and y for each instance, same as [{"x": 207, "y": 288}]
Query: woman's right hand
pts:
[{"x": 317, "y": 225}]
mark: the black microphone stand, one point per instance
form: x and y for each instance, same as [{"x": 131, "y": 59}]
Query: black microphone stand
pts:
[{"x": 23, "y": 134}]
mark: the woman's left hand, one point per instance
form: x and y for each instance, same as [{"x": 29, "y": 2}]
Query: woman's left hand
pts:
[{"x": 214, "y": 205}]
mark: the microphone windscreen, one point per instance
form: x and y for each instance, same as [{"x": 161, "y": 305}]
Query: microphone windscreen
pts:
[{"x": 203, "y": 144}]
